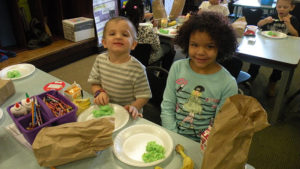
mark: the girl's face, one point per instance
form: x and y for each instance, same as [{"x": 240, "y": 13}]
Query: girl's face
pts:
[
  {"x": 118, "y": 37},
  {"x": 203, "y": 52},
  {"x": 214, "y": 2},
  {"x": 283, "y": 7}
]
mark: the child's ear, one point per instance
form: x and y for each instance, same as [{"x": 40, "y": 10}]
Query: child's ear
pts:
[
  {"x": 133, "y": 45},
  {"x": 103, "y": 43}
]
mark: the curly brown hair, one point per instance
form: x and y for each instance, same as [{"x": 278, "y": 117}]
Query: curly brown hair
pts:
[{"x": 217, "y": 26}]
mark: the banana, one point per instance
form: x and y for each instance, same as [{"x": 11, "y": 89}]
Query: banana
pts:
[
  {"x": 171, "y": 23},
  {"x": 188, "y": 163},
  {"x": 157, "y": 167}
]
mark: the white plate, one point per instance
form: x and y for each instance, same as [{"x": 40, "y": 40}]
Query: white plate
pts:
[
  {"x": 146, "y": 24},
  {"x": 130, "y": 144},
  {"x": 279, "y": 35},
  {"x": 121, "y": 115},
  {"x": 25, "y": 70},
  {"x": 1, "y": 114}
]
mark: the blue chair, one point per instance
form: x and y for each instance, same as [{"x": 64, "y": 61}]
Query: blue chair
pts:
[{"x": 243, "y": 77}]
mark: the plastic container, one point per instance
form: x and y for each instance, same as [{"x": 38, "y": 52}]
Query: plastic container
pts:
[
  {"x": 47, "y": 116},
  {"x": 22, "y": 123},
  {"x": 69, "y": 117},
  {"x": 266, "y": 2}
]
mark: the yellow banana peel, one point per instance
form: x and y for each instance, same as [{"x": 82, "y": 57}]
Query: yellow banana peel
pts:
[
  {"x": 172, "y": 23},
  {"x": 188, "y": 163}
]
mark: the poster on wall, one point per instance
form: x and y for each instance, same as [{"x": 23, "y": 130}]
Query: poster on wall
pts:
[{"x": 103, "y": 11}]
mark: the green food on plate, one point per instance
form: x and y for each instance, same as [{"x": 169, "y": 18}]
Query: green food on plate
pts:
[
  {"x": 154, "y": 152},
  {"x": 271, "y": 33},
  {"x": 13, "y": 74},
  {"x": 163, "y": 31},
  {"x": 105, "y": 110}
]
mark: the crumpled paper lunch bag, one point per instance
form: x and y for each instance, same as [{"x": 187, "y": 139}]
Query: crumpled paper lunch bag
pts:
[
  {"x": 177, "y": 8},
  {"x": 239, "y": 26},
  {"x": 231, "y": 135},
  {"x": 158, "y": 9},
  {"x": 69, "y": 142}
]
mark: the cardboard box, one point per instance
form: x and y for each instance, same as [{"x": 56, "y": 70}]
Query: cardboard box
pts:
[
  {"x": 77, "y": 29},
  {"x": 7, "y": 89}
]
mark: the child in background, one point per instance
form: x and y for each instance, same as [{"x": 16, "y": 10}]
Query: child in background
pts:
[
  {"x": 214, "y": 6},
  {"x": 284, "y": 22},
  {"x": 117, "y": 77},
  {"x": 134, "y": 11},
  {"x": 197, "y": 87}
]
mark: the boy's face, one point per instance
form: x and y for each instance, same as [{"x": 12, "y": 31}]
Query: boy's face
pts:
[
  {"x": 283, "y": 7},
  {"x": 203, "y": 52},
  {"x": 118, "y": 37}
]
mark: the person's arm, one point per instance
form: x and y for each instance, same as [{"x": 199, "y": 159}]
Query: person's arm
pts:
[
  {"x": 203, "y": 4},
  {"x": 265, "y": 21},
  {"x": 169, "y": 102},
  {"x": 142, "y": 93},
  {"x": 100, "y": 97},
  {"x": 290, "y": 27}
]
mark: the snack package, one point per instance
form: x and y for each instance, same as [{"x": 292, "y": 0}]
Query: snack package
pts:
[
  {"x": 69, "y": 142},
  {"x": 73, "y": 91},
  {"x": 82, "y": 104},
  {"x": 231, "y": 135},
  {"x": 239, "y": 26},
  {"x": 158, "y": 9},
  {"x": 177, "y": 8}
]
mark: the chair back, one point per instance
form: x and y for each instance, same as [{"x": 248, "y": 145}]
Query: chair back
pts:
[
  {"x": 252, "y": 15},
  {"x": 142, "y": 53},
  {"x": 157, "y": 77}
]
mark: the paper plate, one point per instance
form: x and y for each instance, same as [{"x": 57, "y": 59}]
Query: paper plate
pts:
[
  {"x": 130, "y": 144},
  {"x": 274, "y": 34},
  {"x": 25, "y": 70},
  {"x": 121, "y": 115},
  {"x": 1, "y": 114}
]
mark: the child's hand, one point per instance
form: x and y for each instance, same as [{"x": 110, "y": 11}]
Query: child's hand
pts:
[
  {"x": 287, "y": 20},
  {"x": 133, "y": 111},
  {"x": 268, "y": 20},
  {"x": 102, "y": 99}
]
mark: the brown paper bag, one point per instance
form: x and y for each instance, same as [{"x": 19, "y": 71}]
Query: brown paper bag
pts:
[
  {"x": 158, "y": 9},
  {"x": 7, "y": 89},
  {"x": 72, "y": 141},
  {"x": 230, "y": 138},
  {"x": 177, "y": 8},
  {"x": 239, "y": 26}
]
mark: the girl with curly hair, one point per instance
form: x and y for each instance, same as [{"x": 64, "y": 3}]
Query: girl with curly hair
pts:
[{"x": 198, "y": 86}]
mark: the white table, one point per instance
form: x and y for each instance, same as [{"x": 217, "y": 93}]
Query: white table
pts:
[
  {"x": 252, "y": 4},
  {"x": 282, "y": 54},
  {"x": 16, "y": 156}
]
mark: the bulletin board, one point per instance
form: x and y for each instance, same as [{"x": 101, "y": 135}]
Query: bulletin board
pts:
[{"x": 103, "y": 11}]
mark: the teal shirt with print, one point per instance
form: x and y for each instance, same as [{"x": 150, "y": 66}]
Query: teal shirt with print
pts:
[{"x": 192, "y": 100}]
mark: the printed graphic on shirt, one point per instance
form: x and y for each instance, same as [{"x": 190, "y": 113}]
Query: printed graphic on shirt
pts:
[{"x": 197, "y": 110}]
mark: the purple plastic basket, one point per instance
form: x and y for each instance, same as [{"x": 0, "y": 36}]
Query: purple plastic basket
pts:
[
  {"x": 48, "y": 117},
  {"x": 23, "y": 122},
  {"x": 66, "y": 118}
]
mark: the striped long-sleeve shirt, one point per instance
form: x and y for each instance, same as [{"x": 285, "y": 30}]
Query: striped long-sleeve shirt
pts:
[{"x": 124, "y": 83}]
